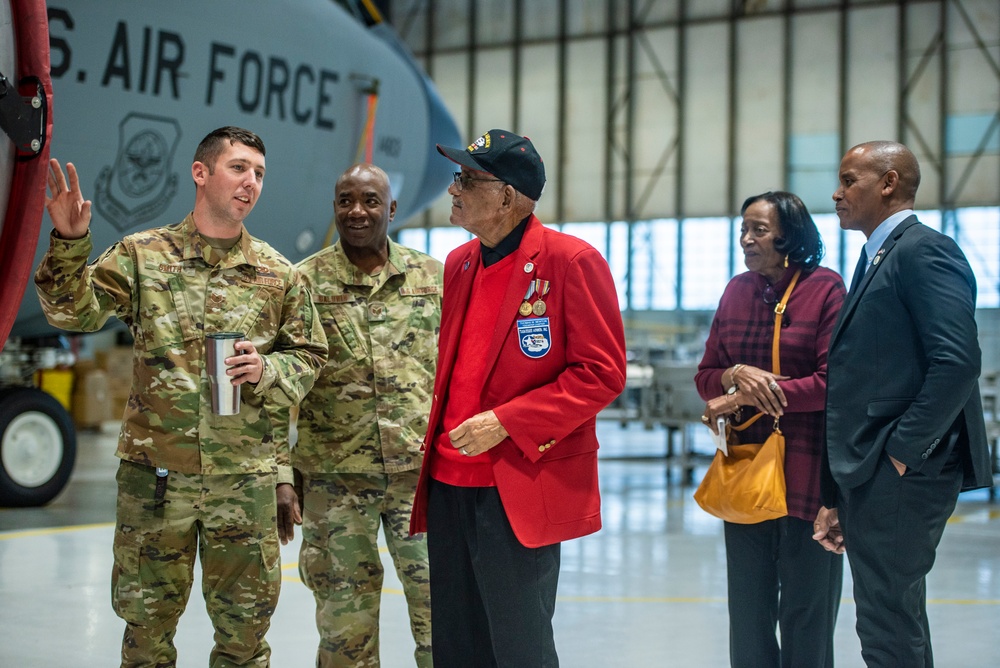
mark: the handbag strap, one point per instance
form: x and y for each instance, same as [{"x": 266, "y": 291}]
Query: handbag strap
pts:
[{"x": 779, "y": 311}]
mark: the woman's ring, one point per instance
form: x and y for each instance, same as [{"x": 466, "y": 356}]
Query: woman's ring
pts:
[
  {"x": 704, "y": 418},
  {"x": 465, "y": 452},
  {"x": 773, "y": 386}
]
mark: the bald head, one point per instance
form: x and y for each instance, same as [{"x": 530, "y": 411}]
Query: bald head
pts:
[
  {"x": 885, "y": 156},
  {"x": 369, "y": 173}
]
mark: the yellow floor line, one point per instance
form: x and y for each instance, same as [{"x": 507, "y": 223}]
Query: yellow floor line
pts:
[
  {"x": 31, "y": 533},
  {"x": 641, "y": 599},
  {"x": 978, "y": 515},
  {"x": 684, "y": 599},
  {"x": 294, "y": 565},
  {"x": 704, "y": 599}
]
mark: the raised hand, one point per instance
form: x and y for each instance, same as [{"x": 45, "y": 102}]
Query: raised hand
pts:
[{"x": 69, "y": 212}]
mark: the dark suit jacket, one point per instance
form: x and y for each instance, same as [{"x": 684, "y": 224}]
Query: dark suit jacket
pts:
[
  {"x": 904, "y": 363},
  {"x": 546, "y": 470}
]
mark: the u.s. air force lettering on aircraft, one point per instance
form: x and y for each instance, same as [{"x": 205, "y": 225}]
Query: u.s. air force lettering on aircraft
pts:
[
  {"x": 136, "y": 85},
  {"x": 142, "y": 60},
  {"x": 152, "y": 61}
]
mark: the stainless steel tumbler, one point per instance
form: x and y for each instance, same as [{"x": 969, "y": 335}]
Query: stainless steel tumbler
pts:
[{"x": 225, "y": 395}]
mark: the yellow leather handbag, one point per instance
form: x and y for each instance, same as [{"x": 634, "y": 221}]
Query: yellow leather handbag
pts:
[{"x": 748, "y": 486}]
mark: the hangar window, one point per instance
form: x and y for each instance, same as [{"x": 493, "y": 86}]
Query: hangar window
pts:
[{"x": 651, "y": 276}]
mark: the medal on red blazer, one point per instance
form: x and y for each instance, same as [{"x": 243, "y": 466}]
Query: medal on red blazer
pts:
[
  {"x": 542, "y": 287},
  {"x": 525, "y": 308}
]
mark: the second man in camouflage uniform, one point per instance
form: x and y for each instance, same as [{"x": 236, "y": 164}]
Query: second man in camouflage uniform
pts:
[{"x": 361, "y": 428}]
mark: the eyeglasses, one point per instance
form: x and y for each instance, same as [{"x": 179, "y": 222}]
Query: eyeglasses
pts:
[{"x": 462, "y": 180}]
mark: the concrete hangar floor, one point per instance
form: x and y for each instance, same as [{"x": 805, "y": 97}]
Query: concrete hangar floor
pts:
[{"x": 647, "y": 590}]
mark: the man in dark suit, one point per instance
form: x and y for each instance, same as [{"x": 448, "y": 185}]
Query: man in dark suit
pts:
[
  {"x": 531, "y": 348},
  {"x": 905, "y": 430}
]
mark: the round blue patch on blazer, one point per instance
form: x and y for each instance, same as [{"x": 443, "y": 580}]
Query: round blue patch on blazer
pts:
[{"x": 534, "y": 336}]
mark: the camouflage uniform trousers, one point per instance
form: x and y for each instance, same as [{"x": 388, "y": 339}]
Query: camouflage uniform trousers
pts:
[
  {"x": 340, "y": 563},
  {"x": 231, "y": 521}
]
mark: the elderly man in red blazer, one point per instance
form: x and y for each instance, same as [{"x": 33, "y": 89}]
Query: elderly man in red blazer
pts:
[{"x": 531, "y": 348}]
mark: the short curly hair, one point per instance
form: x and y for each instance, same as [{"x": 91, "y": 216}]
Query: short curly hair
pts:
[{"x": 799, "y": 240}]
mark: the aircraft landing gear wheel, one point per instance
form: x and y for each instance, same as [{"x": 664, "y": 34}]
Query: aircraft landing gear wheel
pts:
[{"x": 37, "y": 447}]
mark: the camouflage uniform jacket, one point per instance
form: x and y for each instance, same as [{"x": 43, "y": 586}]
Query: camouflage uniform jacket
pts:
[
  {"x": 166, "y": 287},
  {"x": 367, "y": 412}
]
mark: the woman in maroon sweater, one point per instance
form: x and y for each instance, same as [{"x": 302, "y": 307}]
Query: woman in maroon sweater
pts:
[{"x": 778, "y": 237}]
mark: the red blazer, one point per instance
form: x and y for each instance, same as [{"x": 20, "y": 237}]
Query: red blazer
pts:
[{"x": 546, "y": 470}]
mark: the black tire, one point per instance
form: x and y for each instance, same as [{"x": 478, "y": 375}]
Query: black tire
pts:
[{"x": 37, "y": 447}]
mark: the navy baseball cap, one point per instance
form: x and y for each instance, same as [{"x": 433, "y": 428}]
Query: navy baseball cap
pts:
[{"x": 505, "y": 155}]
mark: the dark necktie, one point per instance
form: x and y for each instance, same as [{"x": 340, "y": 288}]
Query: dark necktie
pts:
[{"x": 859, "y": 271}]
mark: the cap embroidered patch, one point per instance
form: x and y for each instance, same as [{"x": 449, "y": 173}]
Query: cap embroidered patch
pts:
[{"x": 481, "y": 144}]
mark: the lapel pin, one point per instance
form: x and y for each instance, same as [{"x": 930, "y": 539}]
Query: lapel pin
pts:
[
  {"x": 465, "y": 267},
  {"x": 528, "y": 267}
]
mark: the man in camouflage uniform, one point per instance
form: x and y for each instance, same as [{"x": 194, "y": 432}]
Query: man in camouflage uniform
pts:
[
  {"x": 190, "y": 481},
  {"x": 361, "y": 427}
]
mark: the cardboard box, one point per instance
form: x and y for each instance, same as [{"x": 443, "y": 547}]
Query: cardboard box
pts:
[
  {"x": 117, "y": 400},
  {"x": 117, "y": 363},
  {"x": 91, "y": 399}
]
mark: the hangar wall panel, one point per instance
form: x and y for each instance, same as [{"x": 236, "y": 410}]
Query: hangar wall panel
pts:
[
  {"x": 583, "y": 157},
  {"x": 492, "y": 91},
  {"x": 538, "y": 113},
  {"x": 706, "y": 127},
  {"x": 654, "y": 141},
  {"x": 872, "y": 72},
  {"x": 759, "y": 115}
]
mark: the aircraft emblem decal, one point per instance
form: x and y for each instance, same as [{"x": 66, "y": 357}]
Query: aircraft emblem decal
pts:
[{"x": 141, "y": 184}]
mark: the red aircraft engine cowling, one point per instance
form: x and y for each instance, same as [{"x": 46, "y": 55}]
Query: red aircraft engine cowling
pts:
[{"x": 23, "y": 217}]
